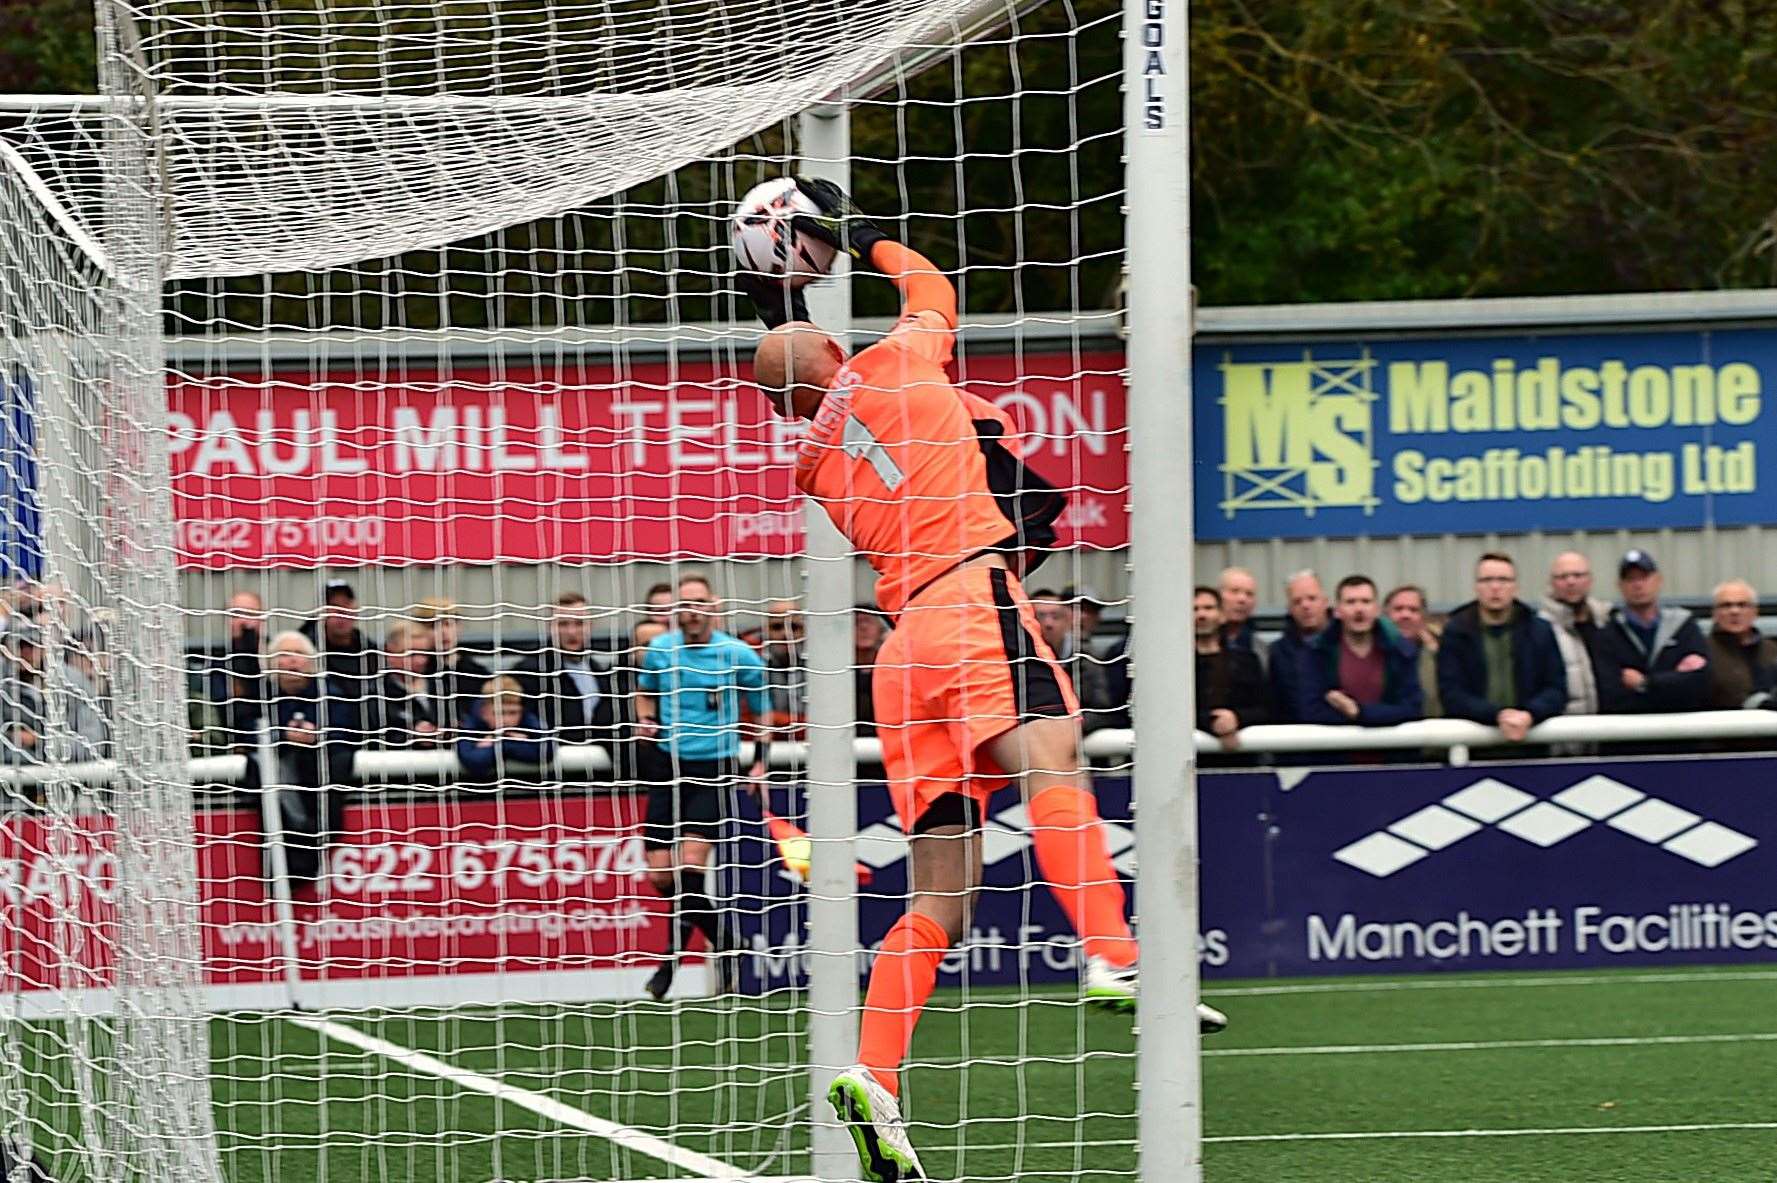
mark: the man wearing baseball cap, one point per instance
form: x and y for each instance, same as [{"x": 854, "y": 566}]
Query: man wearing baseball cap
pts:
[{"x": 1648, "y": 659}]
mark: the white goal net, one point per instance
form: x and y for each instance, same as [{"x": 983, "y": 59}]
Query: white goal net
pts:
[{"x": 376, "y": 391}]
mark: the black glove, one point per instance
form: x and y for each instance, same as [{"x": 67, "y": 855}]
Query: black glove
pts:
[
  {"x": 840, "y": 224},
  {"x": 775, "y": 301}
]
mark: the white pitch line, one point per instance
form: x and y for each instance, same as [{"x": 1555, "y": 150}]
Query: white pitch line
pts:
[
  {"x": 1367, "y": 1049},
  {"x": 1551, "y": 1131},
  {"x": 625, "y": 1136},
  {"x": 1360, "y": 986}
]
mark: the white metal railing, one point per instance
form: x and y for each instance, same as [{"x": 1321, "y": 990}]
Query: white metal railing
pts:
[{"x": 1456, "y": 737}]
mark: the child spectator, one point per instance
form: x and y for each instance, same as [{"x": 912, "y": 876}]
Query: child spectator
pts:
[{"x": 500, "y": 731}]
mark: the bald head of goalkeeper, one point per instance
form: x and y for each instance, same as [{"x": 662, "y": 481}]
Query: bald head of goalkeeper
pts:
[{"x": 795, "y": 366}]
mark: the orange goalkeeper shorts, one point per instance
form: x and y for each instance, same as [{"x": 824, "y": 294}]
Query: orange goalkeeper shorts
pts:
[{"x": 964, "y": 665}]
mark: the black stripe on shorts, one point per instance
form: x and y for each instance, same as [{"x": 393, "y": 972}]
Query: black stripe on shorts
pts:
[{"x": 1035, "y": 683}]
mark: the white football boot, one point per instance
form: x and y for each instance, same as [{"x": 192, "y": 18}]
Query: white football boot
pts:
[
  {"x": 1115, "y": 989},
  {"x": 873, "y": 1116},
  {"x": 1110, "y": 987}
]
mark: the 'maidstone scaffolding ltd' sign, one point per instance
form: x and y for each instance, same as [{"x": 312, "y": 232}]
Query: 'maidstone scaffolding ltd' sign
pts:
[{"x": 1429, "y": 435}]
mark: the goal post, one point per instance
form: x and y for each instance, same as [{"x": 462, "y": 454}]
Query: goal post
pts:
[
  {"x": 823, "y": 136},
  {"x": 106, "y": 1052},
  {"x": 1160, "y": 315}
]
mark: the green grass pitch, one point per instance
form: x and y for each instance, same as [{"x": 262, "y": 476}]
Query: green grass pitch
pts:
[{"x": 1035, "y": 1089}]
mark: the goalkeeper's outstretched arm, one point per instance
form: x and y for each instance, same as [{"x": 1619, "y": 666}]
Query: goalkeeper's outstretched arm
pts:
[
  {"x": 927, "y": 326},
  {"x": 924, "y": 289},
  {"x": 928, "y": 299}
]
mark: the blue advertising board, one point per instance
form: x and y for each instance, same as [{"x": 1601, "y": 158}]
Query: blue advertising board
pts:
[
  {"x": 1547, "y": 865},
  {"x": 1434, "y": 435},
  {"x": 21, "y": 512}
]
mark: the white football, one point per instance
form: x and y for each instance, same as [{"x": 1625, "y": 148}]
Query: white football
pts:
[{"x": 766, "y": 240}]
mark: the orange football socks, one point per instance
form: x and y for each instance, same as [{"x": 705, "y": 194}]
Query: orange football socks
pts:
[
  {"x": 1071, "y": 855},
  {"x": 901, "y": 979}
]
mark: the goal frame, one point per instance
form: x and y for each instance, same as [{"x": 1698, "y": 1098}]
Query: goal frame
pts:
[
  {"x": 1158, "y": 358},
  {"x": 1157, "y": 252}
]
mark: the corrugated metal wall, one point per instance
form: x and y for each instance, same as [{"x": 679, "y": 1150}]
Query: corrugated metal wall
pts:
[
  {"x": 1691, "y": 561},
  {"x": 503, "y": 601}
]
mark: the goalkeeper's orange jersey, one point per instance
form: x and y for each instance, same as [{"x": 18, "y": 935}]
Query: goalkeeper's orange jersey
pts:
[{"x": 895, "y": 453}]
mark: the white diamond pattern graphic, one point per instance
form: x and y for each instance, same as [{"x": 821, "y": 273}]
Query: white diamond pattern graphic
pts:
[
  {"x": 1544, "y": 824},
  {"x": 999, "y": 844},
  {"x": 1013, "y": 816},
  {"x": 1710, "y": 844},
  {"x": 1598, "y": 797},
  {"x": 1654, "y": 820},
  {"x": 880, "y": 845},
  {"x": 1004, "y": 837},
  {"x": 1488, "y": 800},
  {"x": 1434, "y": 827},
  {"x": 1422, "y": 832},
  {"x": 1380, "y": 854}
]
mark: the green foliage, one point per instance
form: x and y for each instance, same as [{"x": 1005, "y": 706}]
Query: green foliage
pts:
[
  {"x": 47, "y": 47},
  {"x": 1396, "y": 148},
  {"x": 1342, "y": 150}
]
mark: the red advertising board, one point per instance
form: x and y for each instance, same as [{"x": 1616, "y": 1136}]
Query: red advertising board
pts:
[
  {"x": 433, "y": 889},
  {"x": 57, "y": 918},
  {"x": 563, "y": 462}
]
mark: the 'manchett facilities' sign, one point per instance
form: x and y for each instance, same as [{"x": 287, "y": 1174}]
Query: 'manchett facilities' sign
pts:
[
  {"x": 1433, "y": 435},
  {"x": 1540, "y": 865}
]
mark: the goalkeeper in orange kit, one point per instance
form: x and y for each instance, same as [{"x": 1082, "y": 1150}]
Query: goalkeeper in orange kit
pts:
[{"x": 918, "y": 476}]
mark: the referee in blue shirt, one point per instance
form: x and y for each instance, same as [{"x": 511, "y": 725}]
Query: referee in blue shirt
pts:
[{"x": 692, "y": 683}]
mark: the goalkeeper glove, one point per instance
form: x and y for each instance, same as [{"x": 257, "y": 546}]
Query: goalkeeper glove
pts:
[
  {"x": 840, "y": 224},
  {"x": 774, "y": 300}
]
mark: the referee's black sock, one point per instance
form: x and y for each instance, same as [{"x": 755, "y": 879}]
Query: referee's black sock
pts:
[
  {"x": 676, "y": 927},
  {"x": 695, "y": 908}
]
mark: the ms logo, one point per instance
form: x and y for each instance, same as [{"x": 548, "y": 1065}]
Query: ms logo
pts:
[{"x": 1298, "y": 435}]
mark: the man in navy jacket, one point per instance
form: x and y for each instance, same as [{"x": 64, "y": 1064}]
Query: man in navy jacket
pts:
[
  {"x": 1360, "y": 670},
  {"x": 1498, "y": 662},
  {"x": 1648, "y": 658},
  {"x": 1288, "y": 658}
]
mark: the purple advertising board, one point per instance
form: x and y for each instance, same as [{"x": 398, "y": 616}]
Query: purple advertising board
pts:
[{"x": 1547, "y": 865}]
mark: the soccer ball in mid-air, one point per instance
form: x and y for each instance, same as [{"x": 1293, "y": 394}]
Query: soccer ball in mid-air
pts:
[{"x": 766, "y": 239}]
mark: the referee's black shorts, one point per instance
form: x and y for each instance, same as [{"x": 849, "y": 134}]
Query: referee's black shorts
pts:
[{"x": 695, "y": 803}]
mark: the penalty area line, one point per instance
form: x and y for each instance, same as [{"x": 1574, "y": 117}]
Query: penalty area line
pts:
[
  {"x": 627, "y": 1137},
  {"x": 1547, "y": 1132}
]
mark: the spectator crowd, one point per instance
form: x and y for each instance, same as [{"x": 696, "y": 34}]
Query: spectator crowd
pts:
[
  {"x": 1364, "y": 659},
  {"x": 301, "y": 703},
  {"x": 1360, "y": 656},
  {"x": 418, "y": 686}
]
